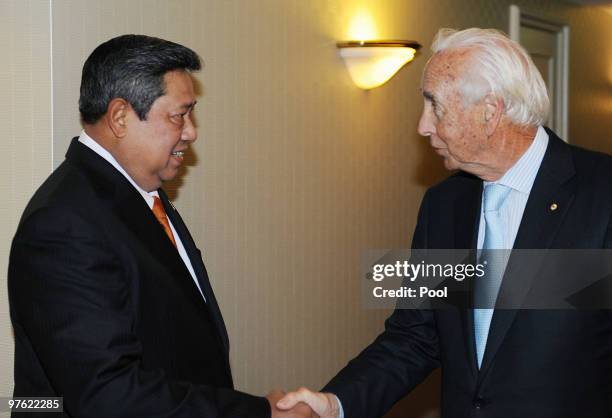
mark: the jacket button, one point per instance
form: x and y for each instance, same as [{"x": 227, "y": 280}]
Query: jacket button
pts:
[{"x": 478, "y": 403}]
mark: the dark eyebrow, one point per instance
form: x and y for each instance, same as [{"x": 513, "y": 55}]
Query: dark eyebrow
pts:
[{"x": 189, "y": 106}]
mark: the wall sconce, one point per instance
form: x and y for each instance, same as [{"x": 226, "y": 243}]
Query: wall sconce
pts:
[{"x": 372, "y": 63}]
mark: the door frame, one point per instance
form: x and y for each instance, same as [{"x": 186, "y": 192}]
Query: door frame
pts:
[{"x": 520, "y": 18}]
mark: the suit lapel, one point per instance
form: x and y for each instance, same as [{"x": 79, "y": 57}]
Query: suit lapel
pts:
[
  {"x": 467, "y": 215},
  {"x": 198, "y": 267},
  {"x": 539, "y": 223},
  {"x": 139, "y": 219},
  {"x": 538, "y": 228},
  {"x": 467, "y": 218}
]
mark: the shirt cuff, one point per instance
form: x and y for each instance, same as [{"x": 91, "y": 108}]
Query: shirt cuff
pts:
[{"x": 340, "y": 409}]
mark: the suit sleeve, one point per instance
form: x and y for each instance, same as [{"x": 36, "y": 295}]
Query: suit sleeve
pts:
[
  {"x": 71, "y": 304},
  {"x": 397, "y": 361}
]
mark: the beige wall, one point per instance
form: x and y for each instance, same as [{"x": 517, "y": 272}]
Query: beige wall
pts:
[
  {"x": 296, "y": 171},
  {"x": 25, "y": 132}
]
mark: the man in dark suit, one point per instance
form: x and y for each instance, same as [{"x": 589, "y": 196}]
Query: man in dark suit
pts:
[
  {"x": 110, "y": 301},
  {"x": 519, "y": 187}
]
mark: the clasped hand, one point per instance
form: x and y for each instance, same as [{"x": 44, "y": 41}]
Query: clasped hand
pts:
[{"x": 303, "y": 403}]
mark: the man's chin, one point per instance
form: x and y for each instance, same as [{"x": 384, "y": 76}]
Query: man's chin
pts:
[
  {"x": 168, "y": 175},
  {"x": 450, "y": 164}
]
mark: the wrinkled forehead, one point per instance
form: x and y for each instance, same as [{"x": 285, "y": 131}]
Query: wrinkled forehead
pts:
[{"x": 446, "y": 68}]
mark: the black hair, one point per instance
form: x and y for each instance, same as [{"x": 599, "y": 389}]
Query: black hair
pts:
[{"x": 131, "y": 67}]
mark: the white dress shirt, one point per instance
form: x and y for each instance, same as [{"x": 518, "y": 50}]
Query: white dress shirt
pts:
[
  {"x": 519, "y": 178},
  {"x": 147, "y": 196}
]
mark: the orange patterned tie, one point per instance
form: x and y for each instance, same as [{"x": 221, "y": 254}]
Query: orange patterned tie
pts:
[{"x": 160, "y": 214}]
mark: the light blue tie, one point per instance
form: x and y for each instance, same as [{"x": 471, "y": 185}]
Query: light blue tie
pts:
[{"x": 487, "y": 287}]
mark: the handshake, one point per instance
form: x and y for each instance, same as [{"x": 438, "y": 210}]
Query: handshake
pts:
[{"x": 303, "y": 403}]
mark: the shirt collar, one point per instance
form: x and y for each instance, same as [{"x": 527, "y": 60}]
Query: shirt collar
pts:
[
  {"x": 522, "y": 174},
  {"x": 92, "y": 144}
]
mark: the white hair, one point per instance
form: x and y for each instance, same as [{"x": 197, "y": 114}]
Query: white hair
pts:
[{"x": 502, "y": 67}]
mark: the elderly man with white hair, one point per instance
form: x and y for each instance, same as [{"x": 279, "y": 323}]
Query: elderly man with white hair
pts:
[{"x": 518, "y": 186}]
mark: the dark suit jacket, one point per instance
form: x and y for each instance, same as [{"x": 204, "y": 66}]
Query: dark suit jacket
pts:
[
  {"x": 537, "y": 364},
  {"x": 104, "y": 310}
]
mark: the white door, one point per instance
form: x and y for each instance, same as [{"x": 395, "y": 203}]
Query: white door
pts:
[{"x": 547, "y": 42}]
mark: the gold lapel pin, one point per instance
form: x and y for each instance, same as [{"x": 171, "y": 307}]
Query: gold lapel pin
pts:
[{"x": 554, "y": 207}]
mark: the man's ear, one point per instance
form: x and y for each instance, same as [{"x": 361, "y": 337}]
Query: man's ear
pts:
[
  {"x": 117, "y": 116},
  {"x": 494, "y": 110}
]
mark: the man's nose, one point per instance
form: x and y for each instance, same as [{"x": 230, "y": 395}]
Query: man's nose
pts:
[
  {"x": 190, "y": 132},
  {"x": 426, "y": 127}
]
